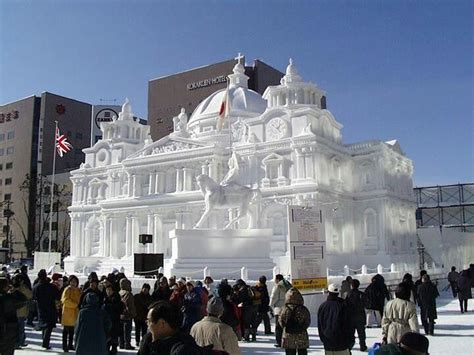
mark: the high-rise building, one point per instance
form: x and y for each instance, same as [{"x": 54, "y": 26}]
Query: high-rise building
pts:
[
  {"x": 27, "y": 143},
  {"x": 167, "y": 95}
]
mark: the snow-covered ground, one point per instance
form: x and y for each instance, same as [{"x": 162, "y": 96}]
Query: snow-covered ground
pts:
[{"x": 454, "y": 334}]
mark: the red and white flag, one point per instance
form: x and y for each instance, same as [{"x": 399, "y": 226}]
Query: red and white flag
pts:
[
  {"x": 224, "y": 110},
  {"x": 62, "y": 145}
]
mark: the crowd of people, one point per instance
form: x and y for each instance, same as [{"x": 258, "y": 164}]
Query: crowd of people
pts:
[{"x": 179, "y": 316}]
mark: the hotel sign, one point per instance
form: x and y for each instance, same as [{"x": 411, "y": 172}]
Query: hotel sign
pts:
[
  {"x": 207, "y": 82},
  {"x": 6, "y": 117}
]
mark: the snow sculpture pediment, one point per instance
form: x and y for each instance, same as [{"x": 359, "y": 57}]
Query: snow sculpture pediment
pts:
[{"x": 170, "y": 144}]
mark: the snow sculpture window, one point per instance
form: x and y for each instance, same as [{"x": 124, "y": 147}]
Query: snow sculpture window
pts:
[
  {"x": 276, "y": 173},
  {"x": 336, "y": 234},
  {"x": 370, "y": 230}
]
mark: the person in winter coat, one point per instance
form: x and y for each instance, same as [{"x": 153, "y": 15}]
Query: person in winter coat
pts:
[
  {"x": 277, "y": 301},
  {"x": 229, "y": 315},
  {"x": 46, "y": 295},
  {"x": 204, "y": 296},
  {"x": 263, "y": 307},
  {"x": 295, "y": 320},
  {"x": 70, "y": 310},
  {"x": 376, "y": 294},
  {"x": 212, "y": 331},
  {"x": 408, "y": 279},
  {"x": 10, "y": 302},
  {"x": 453, "y": 277},
  {"x": 464, "y": 289},
  {"x": 333, "y": 321},
  {"x": 114, "y": 308},
  {"x": 243, "y": 299},
  {"x": 165, "y": 337},
  {"x": 91, "y": 328},
  {"x": 18, "y": 284},
  {"x": 410, "y": 344},
  {"x": 191, "y": 307},
  {"x": 346, "y": 287},
  {"x": 209, "y": 285},
  {"x": 162, "y": 291},
  {"x": 356, "y": 301},
  {"x": 427, "y": 294},
  {"x": 142, "y": 301},
  {"x": 93, "y": 287},
  {"x": 419, "y": 282},
  {"x": 399, "y": 316},
  {"x": 178, "y": 292},
  {"x": 127, "y": 315}
]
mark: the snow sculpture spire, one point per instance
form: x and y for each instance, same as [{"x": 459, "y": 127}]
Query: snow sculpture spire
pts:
[
  {"x": 238, "y": 79},
  {"x": 126, "y": 114},
  {"x": 291, "y": 75}
]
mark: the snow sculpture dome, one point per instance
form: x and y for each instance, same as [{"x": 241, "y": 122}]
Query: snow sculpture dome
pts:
[{"x": 244, "y": 103}]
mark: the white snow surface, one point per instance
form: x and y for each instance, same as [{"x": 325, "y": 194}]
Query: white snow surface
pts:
[{"x": 454, "y": 334}]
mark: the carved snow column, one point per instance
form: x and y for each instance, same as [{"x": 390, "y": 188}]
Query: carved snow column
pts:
[
  {"x": 309, "y": 162},
  {"x": 188, "y": 179},
  {"x": 150, "y": 228},
  {"x": 152, "y": 184},
  {"x": 160, "y": 181},
  {"x": 87, "y": 242},
  {"x": 136, "y": 185},
  {"x": 300, "y": 164},
  {"x": 180, "y": 219},
  {"x": 75, "y": 235},
  {"x": 106, "y": 237},
  {"x": 158, "y": 242},
  {"x": 213, "y": 170},
  {"x": 128, "y": 235},
  {"x": 113, "y": 242},
  {"x": 134, "y": 236},
  {"x": 205, "y": 168},
  {"x": 179, "y": 179}
]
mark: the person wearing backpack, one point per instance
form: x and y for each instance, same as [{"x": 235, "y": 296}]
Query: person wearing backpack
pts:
[
  {"x": 277, "y": 301},
  {"x": 295, "y": 320},
  {"x": 334, "y": 324}
]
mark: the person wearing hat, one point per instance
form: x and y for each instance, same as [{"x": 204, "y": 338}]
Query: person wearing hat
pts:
[
  {"x": 212, "y": 331},
  {"x": 142, "y": 301},
  {"x": 191, "y": 306},
  {"x": 410, "y": 344},
  {"x": 334, "y": 327}
]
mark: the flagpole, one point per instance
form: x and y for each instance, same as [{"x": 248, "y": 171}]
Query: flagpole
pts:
[
  {"x": 230, "y": 117},
  {"x": 51, "y": 191}
]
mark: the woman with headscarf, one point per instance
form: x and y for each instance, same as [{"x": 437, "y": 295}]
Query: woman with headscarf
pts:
[{"x": 91, "y": 328}]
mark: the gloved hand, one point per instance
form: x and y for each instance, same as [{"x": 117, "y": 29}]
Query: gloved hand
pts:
[{"x": 384, "y": 341}]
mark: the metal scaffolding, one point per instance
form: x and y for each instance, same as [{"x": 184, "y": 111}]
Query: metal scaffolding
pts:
[{"x": 448, "y": 206}]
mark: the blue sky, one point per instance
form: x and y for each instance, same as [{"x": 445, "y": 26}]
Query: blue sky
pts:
[{"x": 392, "y": 69}]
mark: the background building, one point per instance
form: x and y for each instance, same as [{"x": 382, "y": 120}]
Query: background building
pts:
[
  {"x": 167, "y": 95},
  {"x": 26, "y": 156}
]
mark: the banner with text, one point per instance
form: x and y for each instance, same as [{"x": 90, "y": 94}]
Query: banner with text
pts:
[{"x": 308, "y": 247}]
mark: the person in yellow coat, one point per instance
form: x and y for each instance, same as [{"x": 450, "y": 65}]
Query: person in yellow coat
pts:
[{"x": 70, "y": 301}]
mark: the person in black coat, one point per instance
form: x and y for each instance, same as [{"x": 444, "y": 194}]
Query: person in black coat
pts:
[
  {"x": 334, "y": 322},
  {"x": 356, "y": 301},
  {"x": 464, "y": 289},
  {"x": 114, "y": 307},
  {"x": 9, "y": 304},
  {"x": 46, "y": 294},
  {"x": 418, "y": 283},
  {"x": 93, "y": 287},
  {"x": 376, "y": 294},
  {"x": 408, "y": 280},
  {"x": 229, "y": 315},
  {"x": 142, "y": 301},
  {"x": 162, "y": 291},
  {"x": 242, "y": 298},
  {"x": 427, "y": 293},
  {"x": 263, "y": 307}
]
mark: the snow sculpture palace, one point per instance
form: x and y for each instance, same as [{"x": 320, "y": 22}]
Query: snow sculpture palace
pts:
[{"x": 282, "y": 145}]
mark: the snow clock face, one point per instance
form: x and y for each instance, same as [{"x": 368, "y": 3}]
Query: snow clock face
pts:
[{"x": 276, "y": 129}]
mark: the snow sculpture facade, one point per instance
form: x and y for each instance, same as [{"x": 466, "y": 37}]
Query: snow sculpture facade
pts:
[{"x": 285, "y": 144}]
